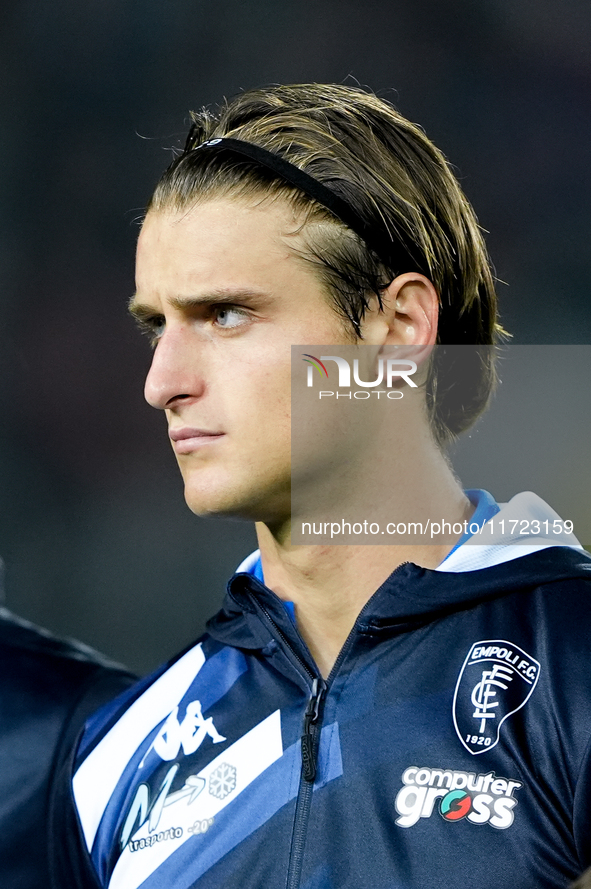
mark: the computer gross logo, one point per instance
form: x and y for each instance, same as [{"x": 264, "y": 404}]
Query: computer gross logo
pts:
[{"x": 457, "y": 795}]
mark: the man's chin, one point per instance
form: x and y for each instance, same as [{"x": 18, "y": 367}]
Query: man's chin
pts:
[
  {"x": 220, "y": 504},
  {"x": 230, "y": 504}
]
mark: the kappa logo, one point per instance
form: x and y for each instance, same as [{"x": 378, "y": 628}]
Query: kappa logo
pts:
[
  {"x": 188, "y": 734},
  {"x": 496, "y": 680}
]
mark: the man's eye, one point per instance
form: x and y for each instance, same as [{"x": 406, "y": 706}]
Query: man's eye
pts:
[
  {"x": 227, "y": 317},
  {"x": 153, "y": 328}
]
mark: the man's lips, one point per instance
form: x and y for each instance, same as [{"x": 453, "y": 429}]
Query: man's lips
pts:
[{"x": 186, "y": 440}]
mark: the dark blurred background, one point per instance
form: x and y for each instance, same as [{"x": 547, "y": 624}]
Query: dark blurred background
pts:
[{"x": 93, "y": 528}]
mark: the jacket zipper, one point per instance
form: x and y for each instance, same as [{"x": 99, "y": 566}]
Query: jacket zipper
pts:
[
  {"x": 311, "y": 730},
  {"x": 310, "y": 738},
  {"x": 309, "y": 744},
  {"x": 310, "y": 747},
  {"x": 312, "y": 712}
]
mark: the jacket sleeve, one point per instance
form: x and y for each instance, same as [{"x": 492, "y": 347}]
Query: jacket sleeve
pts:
[
  {"x": 69, "y": 862},
  {"x": 582, "y": 811}
]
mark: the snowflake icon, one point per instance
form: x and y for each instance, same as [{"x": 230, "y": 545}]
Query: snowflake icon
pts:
[{"x": 222, "y": 781}]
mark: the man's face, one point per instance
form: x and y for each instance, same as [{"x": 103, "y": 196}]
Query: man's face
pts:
[{"x": 225, "y": 297}]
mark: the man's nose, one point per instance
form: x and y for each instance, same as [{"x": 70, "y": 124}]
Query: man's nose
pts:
[{"x": 173, "y": 374}]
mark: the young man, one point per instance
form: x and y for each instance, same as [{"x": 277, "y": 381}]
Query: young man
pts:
[{"x": 357, "y": 716}]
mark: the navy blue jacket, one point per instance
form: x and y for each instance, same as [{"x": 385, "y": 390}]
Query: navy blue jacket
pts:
[
  {"x": 48, "y": 688},
  {"x": 450, "y": 744}
]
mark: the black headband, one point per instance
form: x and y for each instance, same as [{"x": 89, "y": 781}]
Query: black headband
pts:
[{"x": 391, "y": 252}]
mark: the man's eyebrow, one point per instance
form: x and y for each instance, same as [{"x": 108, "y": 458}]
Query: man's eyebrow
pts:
[{"x": 139, "y": 310}]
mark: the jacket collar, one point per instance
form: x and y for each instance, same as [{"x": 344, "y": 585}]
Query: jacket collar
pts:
[{"x": 410, "y": 596}]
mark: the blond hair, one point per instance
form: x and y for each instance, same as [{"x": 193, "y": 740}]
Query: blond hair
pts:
[{"x": 397, "y": 181}]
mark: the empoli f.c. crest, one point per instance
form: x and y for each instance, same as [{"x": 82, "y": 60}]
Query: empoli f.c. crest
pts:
[{"x": 496, "y": 679}]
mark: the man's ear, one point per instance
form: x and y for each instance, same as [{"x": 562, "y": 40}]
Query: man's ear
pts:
[{"x": 410, "y": 314}]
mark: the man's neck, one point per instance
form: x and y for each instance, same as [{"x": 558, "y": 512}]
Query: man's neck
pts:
[{"x": 329, "y": 585}]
